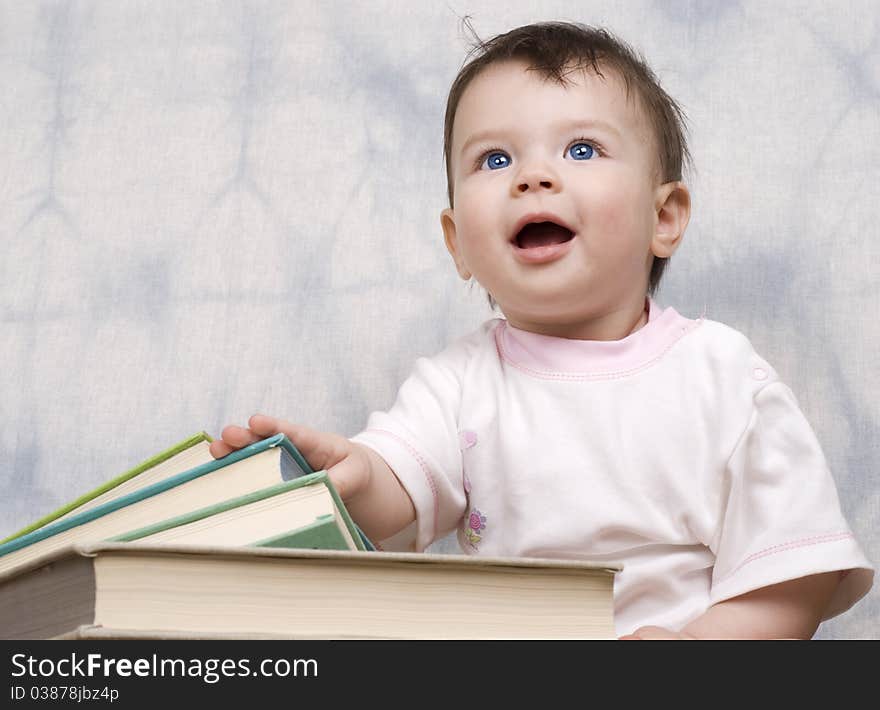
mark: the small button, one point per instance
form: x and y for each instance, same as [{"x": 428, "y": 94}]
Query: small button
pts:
[{"x": 760, "y": 373}]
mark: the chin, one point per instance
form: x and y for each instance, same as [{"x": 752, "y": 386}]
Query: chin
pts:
[{"x": 544, "y": 309}]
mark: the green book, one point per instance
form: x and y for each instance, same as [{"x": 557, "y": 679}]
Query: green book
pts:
[
  {"x": 183, "y": 455},
  {"x": 305, "y": 512},
  {"x": 323, "y": 534}
]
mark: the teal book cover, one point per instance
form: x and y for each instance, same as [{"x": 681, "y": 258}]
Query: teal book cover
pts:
[
  {"x": 292, "y": 462},
  {"x": 150, "y": 463}
]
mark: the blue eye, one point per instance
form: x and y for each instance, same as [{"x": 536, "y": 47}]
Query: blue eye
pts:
[
  {"x": 495, "y": 160},
  {"x": 581, "y": 151}
]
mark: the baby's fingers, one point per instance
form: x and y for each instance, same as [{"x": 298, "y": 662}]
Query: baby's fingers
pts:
[
  {"x": 231, "y": 438},
  {"x": 219, "y": 449},
  {"x": 321, "y": 449},
  {"x": 264, "y": 426},
  {"x": 238, "y": 437}
]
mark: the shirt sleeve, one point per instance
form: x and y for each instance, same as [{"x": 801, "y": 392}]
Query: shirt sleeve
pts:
[
  {"x": 782, "y": 518},
  {"x": 418, "y": 439}
]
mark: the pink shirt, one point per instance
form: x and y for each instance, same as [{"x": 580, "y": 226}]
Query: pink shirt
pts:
[{"x": 675, "y": 451}]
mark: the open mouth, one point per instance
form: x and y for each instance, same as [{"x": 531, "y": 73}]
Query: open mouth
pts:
[{"x": 542, "y": 234}]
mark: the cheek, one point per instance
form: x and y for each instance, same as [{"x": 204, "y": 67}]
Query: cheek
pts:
[
  {"x": 618, "y": 207},
  {"x": 611, "y": 222},
  {"x": 474, "y": 217}
]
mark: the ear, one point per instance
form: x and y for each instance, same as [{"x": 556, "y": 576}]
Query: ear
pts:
[
  {"x": 447, "y": 222},
  {"x": 672, "y": 202}
]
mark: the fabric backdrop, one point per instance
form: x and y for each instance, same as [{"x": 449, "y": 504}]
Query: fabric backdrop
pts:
[{"x": 209, "y": 209}]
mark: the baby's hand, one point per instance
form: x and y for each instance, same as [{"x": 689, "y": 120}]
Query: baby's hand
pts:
[{"x": 347, "y": 464}]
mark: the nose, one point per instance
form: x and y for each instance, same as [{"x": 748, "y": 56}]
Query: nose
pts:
[{"x": 535, "y": 178}]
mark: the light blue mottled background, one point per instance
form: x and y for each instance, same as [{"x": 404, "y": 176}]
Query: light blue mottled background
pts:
[{"x": 214, "y": 208}]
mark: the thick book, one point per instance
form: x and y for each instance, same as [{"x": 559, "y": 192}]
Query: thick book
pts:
[
  {"x": 261, "y": 465},
  {"x": 182, "y": 456},
  {"x": 144, "y": 590},
  {"x": 304, "y": 512}
]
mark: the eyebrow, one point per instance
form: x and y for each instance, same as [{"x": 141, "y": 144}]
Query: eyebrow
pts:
[{"x": 589, "y": 124}]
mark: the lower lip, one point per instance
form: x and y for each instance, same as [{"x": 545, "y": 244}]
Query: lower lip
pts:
[{"x": 542, "y": 255}]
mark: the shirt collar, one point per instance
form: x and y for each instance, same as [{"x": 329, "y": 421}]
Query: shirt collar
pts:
[{"x": 566, "y": 358}]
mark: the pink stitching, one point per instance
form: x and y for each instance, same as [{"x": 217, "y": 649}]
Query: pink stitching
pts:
[
  {"x": 784, "y": 547},
  {"x": 586, "y": 377},
  {"x": 425, "y": 469}
]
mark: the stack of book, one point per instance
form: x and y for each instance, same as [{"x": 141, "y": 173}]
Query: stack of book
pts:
[{"x": 257, "y": 544}]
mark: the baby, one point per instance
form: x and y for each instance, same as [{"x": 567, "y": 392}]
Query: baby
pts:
[{"x": 590, "y": 422}]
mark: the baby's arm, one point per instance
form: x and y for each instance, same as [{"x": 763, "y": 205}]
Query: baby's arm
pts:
[
  {"x": 788, "y": 610},
  {"x": 373, "y": 495}
]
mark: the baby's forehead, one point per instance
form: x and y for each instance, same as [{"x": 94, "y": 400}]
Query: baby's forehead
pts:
[
  {"x": 584, "y": 77},
  {"x": 621, "y": 96}
]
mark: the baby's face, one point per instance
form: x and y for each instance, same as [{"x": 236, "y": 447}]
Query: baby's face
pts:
[{"x": 525, "y": 149}]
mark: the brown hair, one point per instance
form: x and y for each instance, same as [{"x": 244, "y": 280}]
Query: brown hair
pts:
[{"x": 556, "y": 48}]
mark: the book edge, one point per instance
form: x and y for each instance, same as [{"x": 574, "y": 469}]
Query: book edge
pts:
[
  {"x": 138, "y": 495},
  {"x": 98, "y": 548},
  {"x": 146, "y": 465},
  {"x": 99, "y": 632},
  {"x": 229, "y": 504}
]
